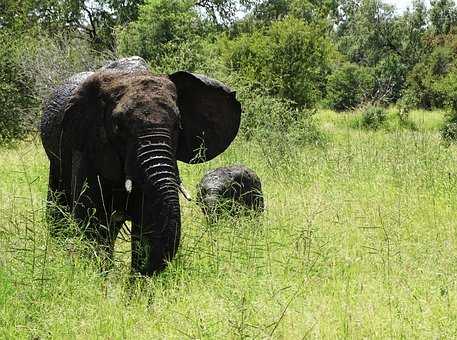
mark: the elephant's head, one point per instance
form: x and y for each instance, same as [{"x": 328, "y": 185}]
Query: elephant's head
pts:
[{"x": 134, "y": 126}]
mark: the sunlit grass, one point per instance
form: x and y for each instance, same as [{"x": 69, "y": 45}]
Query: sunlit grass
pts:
[{"x": 358, "y": 240}]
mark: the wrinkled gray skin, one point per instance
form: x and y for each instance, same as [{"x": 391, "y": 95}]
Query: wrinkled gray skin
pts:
[
  {"x": 220, "y": 188},
  {"x": 121, "y": 124}
]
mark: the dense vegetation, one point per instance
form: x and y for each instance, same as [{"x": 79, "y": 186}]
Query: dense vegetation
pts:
[
  {"x": 346, "y": 104},
  {"x": 293, "y": 55},
  {"x": 358, "y": 241}
]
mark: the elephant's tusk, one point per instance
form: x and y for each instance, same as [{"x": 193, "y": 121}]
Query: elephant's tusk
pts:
[
  {"x": 184, "y": 192},
  {"x": 128, "y": 185}
]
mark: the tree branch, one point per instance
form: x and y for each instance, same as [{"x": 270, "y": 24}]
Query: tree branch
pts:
[{"x": 93, "y": 30}]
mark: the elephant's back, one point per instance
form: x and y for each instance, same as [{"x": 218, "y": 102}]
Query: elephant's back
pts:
[{"x": 53, "y": 111}]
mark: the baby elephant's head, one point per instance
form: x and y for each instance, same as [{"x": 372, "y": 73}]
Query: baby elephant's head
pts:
[{"x": 230, "y": 190}]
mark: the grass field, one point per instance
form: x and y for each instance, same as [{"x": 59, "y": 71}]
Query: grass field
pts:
[{"x": 359, "y": 240}]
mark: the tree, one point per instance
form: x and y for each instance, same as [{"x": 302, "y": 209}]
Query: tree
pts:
[
  {"x": 289, "y": 59},
  {"x": 309, "y": 10},
  {"x": 168, "y": 33},
  {"x": 18, "y": 103},
  {"x": 94, "y": 19},
  {"x": 223, "y": 12},
  {"x": 348, "y": 86},
  {"x": 412, "y": 27},
  {"x": 365, "y": 31},
  {"x": 443, "y": 16}
]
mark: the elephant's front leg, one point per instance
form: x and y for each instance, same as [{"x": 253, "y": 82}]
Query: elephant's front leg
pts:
[
  {"x": 155, "y": 236},
  {"x": 94, "y": 203}
]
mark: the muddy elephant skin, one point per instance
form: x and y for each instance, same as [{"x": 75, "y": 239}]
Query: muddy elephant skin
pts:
[
  {"x": 231, "y": 189},
  {"x": 113, "y": 138}
]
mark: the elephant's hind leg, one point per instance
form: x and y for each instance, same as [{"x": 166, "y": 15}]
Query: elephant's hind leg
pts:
[{"x": 57, "y": 207}]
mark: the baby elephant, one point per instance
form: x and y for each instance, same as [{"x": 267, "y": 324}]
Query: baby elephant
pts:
[{"x": 231, "y": 189}]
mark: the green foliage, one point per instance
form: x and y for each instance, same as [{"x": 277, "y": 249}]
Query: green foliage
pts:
[
  {"x": 419, "y": 91},
  {"x": 18, "y": 104},
  {"x": 348, "y": 86},
  {"x": 422, "y": 81},
  {"x": 447, "y": 87},
  {"x": 289, "y": 60},
  {"x": 389, "y": 78},
  {"x": 269, "y": 11},
  {"x": 443, "y": 16},
  {"x": 366, "y": 31},
  {"x": 280, "y": 49},
  {"x": 411, "y": 29},
  {"x": 373, "y": 117},
  {"x": 167, "y": 34},
  {"x": 350, "y": 232},
  {"x": 449, "y": 129},
  {"x": 277, "y": 121},
  {"x": 91, "y": 20},
  {"x": 223, "y": 12}
]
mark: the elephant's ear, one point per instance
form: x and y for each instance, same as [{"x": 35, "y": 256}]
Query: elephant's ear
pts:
[
  {"x": 85, "y": 123},
  {"x": 210, "y": 116},
  {"x": 83, "y": 106}
]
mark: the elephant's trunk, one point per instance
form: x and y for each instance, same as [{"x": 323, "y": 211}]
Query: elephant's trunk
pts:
[{"x": 157, "y": 161}]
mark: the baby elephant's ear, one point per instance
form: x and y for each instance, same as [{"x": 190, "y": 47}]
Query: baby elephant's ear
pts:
[{"x": 210, "y": 117}]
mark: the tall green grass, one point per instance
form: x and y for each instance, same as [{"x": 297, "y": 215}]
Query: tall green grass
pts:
[{"x": 358, "y": 240}]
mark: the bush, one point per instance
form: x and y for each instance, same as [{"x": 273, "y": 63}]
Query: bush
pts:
[
  {"x": 422, "y": 87},
  {"x": 449, "y": 129},
  {"x": 30, "y": 68},
  {"x": 276, "y": 121},
  {"x": 373, "y": 117},
  {"x": 447, "y": 87},
  {"x": 278, "y": 127},
  {"x": 18, "y": 103},
  {"x": 351, "y": 85},
  {"x": 348, "y": 86},
  {"x": 289, "y": 60},
  {"x": 389, "y": 79},
  {"x": 404, "y": 107}
]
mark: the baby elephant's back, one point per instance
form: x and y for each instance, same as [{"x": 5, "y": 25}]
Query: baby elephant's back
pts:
[{"x": 237, "y": 183}]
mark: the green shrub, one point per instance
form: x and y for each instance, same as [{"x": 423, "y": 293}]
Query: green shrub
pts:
[
  {"x": 423, "y": 86},
  {"x": 289, "y": 60},
  {"x": 373, "y": 117},
  {"x": 18, "y": 103},
  {"x": 449, "y": 129},
  {"x": 351, "y": 85},
  {"x": 30, "y": 68},
  {"x": 447, "y": 88},
  {"x": 403, "y": 110},
  {"x": 348, "y": 86},
  {"x": 389, "y": 76},
  {"x": 277, "y": 122}
]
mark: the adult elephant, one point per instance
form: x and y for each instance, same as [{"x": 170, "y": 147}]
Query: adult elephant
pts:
[{"x": 113, "y": 138}]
